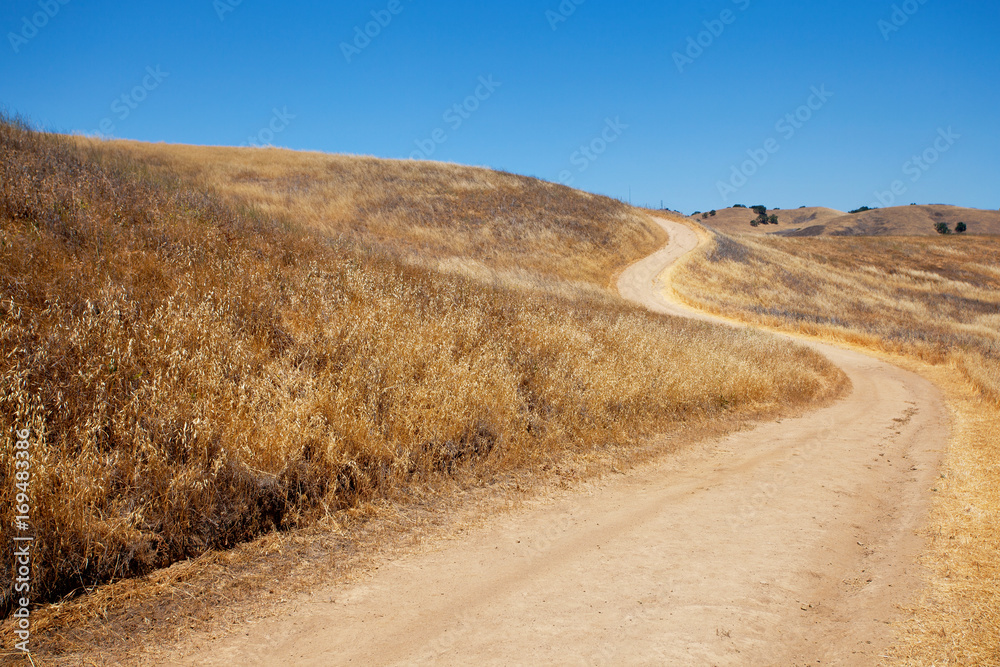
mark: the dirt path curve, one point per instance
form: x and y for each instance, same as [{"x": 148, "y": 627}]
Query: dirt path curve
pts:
[{"x": 792, "y": 543}]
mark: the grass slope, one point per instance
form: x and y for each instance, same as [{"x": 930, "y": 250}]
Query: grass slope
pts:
[
  {"x": 199, "y": 369},
  {"x": 423, "y": 212},
  {"x": 894, "y": 221},
  {"x": 737, "y": 220}
]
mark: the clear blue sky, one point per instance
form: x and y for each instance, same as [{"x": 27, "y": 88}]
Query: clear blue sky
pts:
[{"x": 676, "y": 131}]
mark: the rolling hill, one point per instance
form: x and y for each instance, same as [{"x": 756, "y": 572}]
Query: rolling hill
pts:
[
  {"x": 211, "y": 345},
  {"x": 895, "y": 221}
]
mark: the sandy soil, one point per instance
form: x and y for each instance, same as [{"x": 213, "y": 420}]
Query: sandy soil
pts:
[{"x": 791, "y": 543}]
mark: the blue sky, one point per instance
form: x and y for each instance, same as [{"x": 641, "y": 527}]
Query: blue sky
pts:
[{"x": 684, "y": 103}]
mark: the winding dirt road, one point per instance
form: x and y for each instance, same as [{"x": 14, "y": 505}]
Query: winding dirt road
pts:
[{"x": 791, "y": 543}]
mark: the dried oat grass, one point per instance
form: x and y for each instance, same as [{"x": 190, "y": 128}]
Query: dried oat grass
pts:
[{"x": 199, "y": 369}]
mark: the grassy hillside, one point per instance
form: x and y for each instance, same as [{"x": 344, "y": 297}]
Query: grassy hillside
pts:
[
  {"x": 933, "y": 298},
  {"x": 915, "y": 221},
  {"x": 894, "y": 221},
  {"x": 195, "y": 373},
  {"x": 737, "y": 220},
  {"x": 423, "y": 212}
]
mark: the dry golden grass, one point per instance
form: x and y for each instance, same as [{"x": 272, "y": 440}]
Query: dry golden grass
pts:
[
  {"x": 893, "y": 221},
  {"x": 421, "y": 212},
  {"x": 915, "y": 221},
  {"x": 956, "y": 622},
  {"x": 737, "y": 220},
  {"x": 196, "y": 373},
  {"x": 937, "y": 301}
]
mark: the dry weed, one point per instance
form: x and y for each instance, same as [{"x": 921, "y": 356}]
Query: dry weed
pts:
[
  {"x": 417, "y": 211},
  {"x": 196, "y": 373}
]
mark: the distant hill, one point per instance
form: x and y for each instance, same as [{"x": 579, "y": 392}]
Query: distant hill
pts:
[
  {"x": 737, "y": 220},
  {"x": 895, "y": 221}
]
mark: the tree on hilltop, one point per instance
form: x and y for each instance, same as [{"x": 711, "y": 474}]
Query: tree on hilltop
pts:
[{"x": 762, "y": 217}]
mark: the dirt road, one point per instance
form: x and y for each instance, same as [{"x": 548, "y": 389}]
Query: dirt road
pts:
[{"x": 791, "y": 543}]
